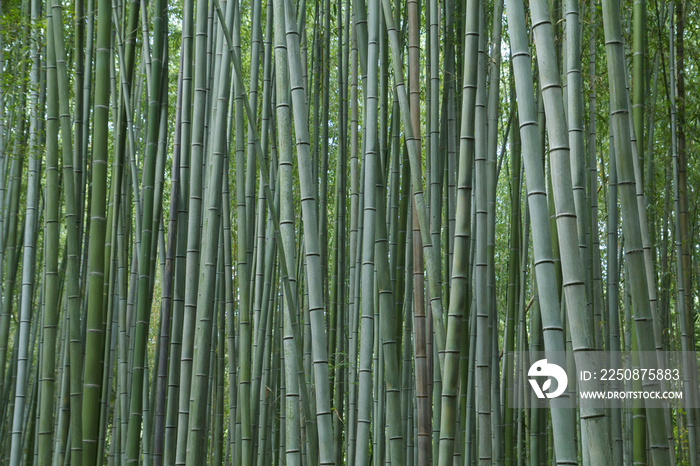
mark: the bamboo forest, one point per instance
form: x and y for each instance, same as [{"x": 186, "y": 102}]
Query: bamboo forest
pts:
[{"x": 349, "y": 232}]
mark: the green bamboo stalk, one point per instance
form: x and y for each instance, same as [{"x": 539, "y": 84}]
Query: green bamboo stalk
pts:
[
  {"x": 638, "y": 75},
  {"x": 370, "y": 166},
  {"x": 416, "y": 182},
  {"x": 389, "y": 344},
  {"x": 87, "y": 92},
  {"x": 620, "y": 123},
  {"x": 459, "y": 289},
  {"x": 255, "y": 53},
  {"x": 482, "y": 289},
  {"x": 513, "y": 295},
  {"x": 183, "y": 227},
  {"x": 408, "y": 351},
  {"x": 470, "y": 411},
  {"x": 30, "y": 423},
  {"x": 257, "y": 230},
  {"x": 244, "y": 265},
  {"x": 112, "y": 258},
  {"x": 593, "y": 420},
  {"x": 423, "y": 355},
  {"x": 96, "y": 255},
  {"x": 268, "y": 240},
  {"x": 290, "y": 363},
  {"x": 538, "y": 435},
  {"x": 491, "y": 138},
  {"x": 574, "y": 114},
  {"x": 79, "y": 109},
  {"x": 273, "y": 209},
  {"x": 144, "y": 263},
  {"x": 193, "y": 228},
  {"x": 522, "y": 416},
  {"x": 323, "y": 188},
  {"x": 686, "y": 338},
  {"x": 123, "y": 347},
  {"x": 339, "y": 286},
  {"x": 9, "y": 248},
  {"x": 196, "y": 440},
  {"x": 228, "y": 292},
  {"x": 354, "y": 251},
  {"x": 3, "y": 167},
  {"x": 51, "y": 279},
  {"x": 125, "y": 129},
  {"x": 378, "y": 416},
  {"x": 434, "y": 135},
  {"x": 265, "y": 326},
  {"x": 678, "y": 107},
  {"x": 31, "y": 221},
  {"x": 166, "y": 312},
  {"x": 311, "y": 245},
  {"x": 54, "y": 30},
  {"x": 681, "y": 124},
  {"x": 111, "y": 329},
  {"x": 260, "y": 287},
  {"x": 545, "y": 271}
]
